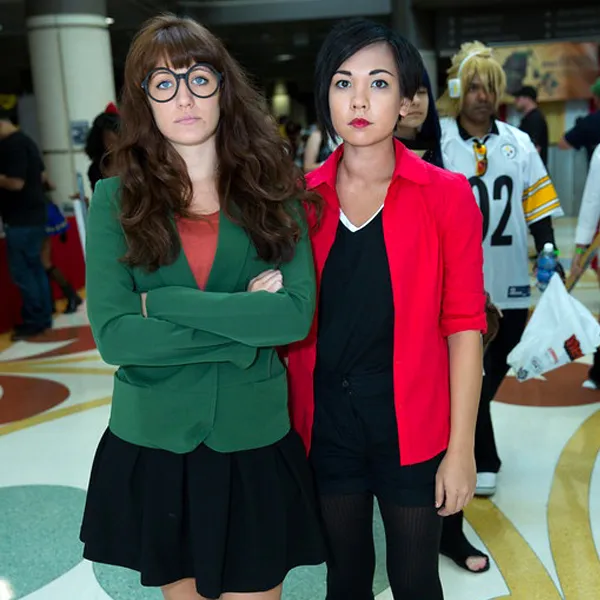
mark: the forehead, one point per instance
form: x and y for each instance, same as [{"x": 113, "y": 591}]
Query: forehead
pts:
[{"x": 375, "y": 56}]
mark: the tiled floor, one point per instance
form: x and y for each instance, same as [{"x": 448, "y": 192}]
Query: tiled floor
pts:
[{"x": 542, "y": 528}]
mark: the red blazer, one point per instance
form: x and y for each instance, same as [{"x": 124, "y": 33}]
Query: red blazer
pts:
[{"x": 433, "y": 230}]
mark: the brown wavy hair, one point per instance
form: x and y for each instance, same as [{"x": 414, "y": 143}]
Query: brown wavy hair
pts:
[{"x": 257, "y": 179}]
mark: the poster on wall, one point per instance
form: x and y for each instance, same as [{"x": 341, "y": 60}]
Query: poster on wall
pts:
[{"x": 559, "y": 71}]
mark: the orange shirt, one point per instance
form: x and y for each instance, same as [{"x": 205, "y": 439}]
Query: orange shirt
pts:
[{"x": 199, "y": 238}]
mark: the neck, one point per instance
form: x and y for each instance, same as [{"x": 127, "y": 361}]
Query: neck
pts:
[
  {"x": 529, "y": 109},
  {"x": 475, "y": 129},
  {"x": 201, "y": 161},
  {"x": 406, "y": 133},
  {"x": 370, "y": 164}
]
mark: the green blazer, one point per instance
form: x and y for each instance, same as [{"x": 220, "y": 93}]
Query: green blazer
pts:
[{"x": 202, "y": 368}]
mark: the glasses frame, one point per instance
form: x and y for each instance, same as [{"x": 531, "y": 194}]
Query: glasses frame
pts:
[{"x": 182, "y": 77}]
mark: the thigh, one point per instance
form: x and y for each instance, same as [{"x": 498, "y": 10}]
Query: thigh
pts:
[
  {"x": 274, "y": 594},
  {"x": 182, "y": 590},
  {"x": 35, "y": 237},
  {"x": 337, "y": 451}
]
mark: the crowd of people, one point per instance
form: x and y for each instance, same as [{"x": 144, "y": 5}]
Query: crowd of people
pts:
[{"x": 297, "y": 316}]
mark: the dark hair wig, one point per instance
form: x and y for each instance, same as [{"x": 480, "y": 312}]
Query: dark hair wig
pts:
[
  {"x": 345, "y": 40},
  {"x": 256, "y": 179},
  {"x": 94, "y": 145}
]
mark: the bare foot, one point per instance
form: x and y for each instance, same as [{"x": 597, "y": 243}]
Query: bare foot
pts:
[{"x": 476, "y": 563}]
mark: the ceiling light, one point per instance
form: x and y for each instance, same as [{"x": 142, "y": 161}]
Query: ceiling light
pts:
[
  {"x": 284, "y": 57},
  {"x": 110, "y": 21}
]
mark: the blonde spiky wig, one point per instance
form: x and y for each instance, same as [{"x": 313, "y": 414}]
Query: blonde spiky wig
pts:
[{"x": 480, "y": 62}]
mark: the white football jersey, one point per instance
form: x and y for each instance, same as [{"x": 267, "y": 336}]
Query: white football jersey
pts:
[{"x": 514, "y": 192}]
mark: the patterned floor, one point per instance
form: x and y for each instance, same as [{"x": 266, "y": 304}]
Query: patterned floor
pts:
[{"x": 539, "y": 529}]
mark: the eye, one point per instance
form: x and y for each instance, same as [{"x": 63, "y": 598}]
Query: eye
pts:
[
  {"x": 380, "y": 84},
  {"x": 164, "y": 85},
  {"x": 199, "y": 80},
  {"x": 342, "y": 84}
]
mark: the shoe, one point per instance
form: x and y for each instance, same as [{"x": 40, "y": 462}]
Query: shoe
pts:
[
  {"x": 25, "y": 333},
  {"x": 589, "y": 385},
  {"x": 486, "y": 484},
  {"x": 73, "y": 303}
]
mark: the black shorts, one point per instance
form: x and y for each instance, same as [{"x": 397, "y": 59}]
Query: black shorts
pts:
[{"x": 355, "y": 446}]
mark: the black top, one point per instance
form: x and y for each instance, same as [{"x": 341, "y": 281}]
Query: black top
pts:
[
  {"x": 356, "y": 306},
  {"x": 20, "y": 158},
  {"x": 586, "y": 133},
  {"x": 534, "y": 124}
]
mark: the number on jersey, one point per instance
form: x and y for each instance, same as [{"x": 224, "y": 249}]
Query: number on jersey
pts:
[{"x": 503, "y": 189}]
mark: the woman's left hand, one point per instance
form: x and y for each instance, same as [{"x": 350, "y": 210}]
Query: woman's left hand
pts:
[{"x": 455, "y": 482}]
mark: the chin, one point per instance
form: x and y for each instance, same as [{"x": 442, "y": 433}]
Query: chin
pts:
[{"x": 364, "y": 138}]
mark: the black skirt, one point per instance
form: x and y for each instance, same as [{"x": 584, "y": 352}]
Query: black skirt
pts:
[{"x": 235, "y": 522}]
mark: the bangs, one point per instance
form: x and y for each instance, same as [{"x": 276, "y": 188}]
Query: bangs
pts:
[
  {"x": 179, "y": 46},
  {"x": 489, "y": 71}
]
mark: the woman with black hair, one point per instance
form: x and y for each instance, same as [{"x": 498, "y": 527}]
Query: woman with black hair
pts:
[
  {"x": 384, "y": 391},
  {"x": 101, "y": 138},
  {"x": 420, "y": 131}
]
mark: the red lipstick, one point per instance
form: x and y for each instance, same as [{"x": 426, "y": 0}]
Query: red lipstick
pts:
[{"x": 360, "y": 123}]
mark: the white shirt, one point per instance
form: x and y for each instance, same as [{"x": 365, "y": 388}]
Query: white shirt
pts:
[
  {"x": 514, "y": 192},
  {"x": 589, "y": 213}
]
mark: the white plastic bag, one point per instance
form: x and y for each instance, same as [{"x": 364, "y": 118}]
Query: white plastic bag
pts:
[{"x": 560, "y": 331}]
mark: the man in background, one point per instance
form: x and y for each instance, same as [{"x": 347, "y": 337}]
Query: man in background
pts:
[
  {"x": 23, "y": 211},
  {"x": 586, "y": 133},
  {"x": 533, "y": 121}
]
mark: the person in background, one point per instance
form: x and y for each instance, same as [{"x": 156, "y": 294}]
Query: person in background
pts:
[
  {"x": 57, "y": 226},
  {"x": 23, "y": 212},
  {"x": 318, "y": 149},
  {"x": 586, "y": 132},
  {"x": 101, "y": 139},
  {"x": 199, "y": 266},
  {"x": 515, "y": 194},
  {"x": 587, "y": 227},
  {"x": 533, "y": 121},
  {"x": 420, "y": 131},
  {"x": 384, "y": 391}
]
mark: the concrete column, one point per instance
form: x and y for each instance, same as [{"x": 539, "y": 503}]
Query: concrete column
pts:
[
  {"x": 418, "y": 27},
  {"x": 73, "y": 81}
]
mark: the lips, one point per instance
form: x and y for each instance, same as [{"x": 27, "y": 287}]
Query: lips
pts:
[
  {"x": 187, "y": 120},
  {"x": 360, "y": 123}
]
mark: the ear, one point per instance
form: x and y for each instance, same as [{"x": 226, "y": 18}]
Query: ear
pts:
[{"x": 405, "y": 106}]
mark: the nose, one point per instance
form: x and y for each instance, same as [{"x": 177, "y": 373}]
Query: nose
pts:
[
  {"x": 483, "y": 95},
  {"x": 360, "y": 99},
  {"x": 184, "y": 97}
]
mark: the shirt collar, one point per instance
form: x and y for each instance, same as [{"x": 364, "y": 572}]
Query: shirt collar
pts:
[
  {"x": 465, "y": 135},
  {"x": 408, "y": 166}
]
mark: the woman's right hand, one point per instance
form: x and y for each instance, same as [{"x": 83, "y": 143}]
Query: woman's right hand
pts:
[{"x": 268, "y": 281}]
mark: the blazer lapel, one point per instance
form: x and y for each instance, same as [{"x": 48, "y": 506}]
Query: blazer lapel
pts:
[{"x": 230, "y": 258}]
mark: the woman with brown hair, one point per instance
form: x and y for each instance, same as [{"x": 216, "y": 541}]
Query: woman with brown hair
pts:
[{"x": 199, "y": 266}]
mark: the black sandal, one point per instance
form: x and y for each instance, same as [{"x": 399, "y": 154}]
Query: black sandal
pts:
[{"x": 464, "y": 550}]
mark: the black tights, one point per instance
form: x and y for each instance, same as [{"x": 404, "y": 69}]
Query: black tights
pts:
[{"x": 412, "y": 543}]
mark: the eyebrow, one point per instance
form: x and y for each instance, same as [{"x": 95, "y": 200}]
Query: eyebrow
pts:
[{"x": 374, "y": 72}]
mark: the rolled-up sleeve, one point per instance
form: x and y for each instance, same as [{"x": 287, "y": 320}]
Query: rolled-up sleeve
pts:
[{"x": 461, "y": 230}]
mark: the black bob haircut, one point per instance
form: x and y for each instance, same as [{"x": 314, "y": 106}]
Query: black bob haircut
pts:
[{"x": 345, "y": 40}]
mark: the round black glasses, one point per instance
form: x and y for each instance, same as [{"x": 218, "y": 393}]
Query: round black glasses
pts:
[{"x": 162, "y": 84}]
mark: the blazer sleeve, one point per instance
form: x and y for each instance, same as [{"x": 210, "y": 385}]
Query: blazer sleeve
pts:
[
  {"x": 463, "y": 296},
  {"x": 260, "y": 319},
  {"x": 123, "y": 336}
]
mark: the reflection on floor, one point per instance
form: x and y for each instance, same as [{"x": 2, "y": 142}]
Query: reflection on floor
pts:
[{"x": 539, "y": 529}]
